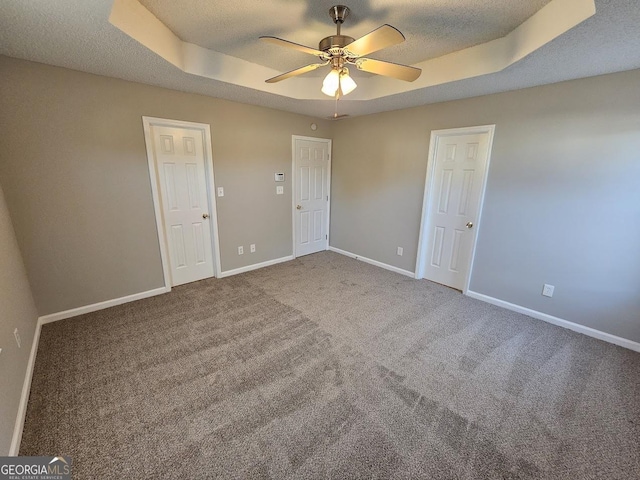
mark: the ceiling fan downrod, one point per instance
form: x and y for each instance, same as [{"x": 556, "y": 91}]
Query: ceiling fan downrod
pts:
[{"x": 338, "y": 14}]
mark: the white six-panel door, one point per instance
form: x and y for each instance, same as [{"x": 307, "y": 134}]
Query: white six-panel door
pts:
[
  {"x": 453, "y": 207},
  {"x": 179, "y": 157},
  {"x": 311, "y": 195}
]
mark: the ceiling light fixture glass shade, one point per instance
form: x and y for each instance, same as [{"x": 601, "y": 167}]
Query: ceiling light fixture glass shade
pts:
[
  {"x": 338, "y": 80},
  {"x": 331, "y": 83},
  {"x": 347, "y": 84}
]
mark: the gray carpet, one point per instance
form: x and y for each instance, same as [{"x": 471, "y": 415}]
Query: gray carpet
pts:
[{"x": 326, "y": 367}]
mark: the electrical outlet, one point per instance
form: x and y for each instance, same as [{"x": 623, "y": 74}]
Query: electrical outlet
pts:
[
  {"x": 279, "y": 190},
  {"x": 17, "y": 335},
  {"x": 400, "y": 251},
  {"x": 253, "y": 248},
  {"x": 240, "y": 250},
  {"x": 220, "y": 191},
  {"x": 547, "y": 290}
]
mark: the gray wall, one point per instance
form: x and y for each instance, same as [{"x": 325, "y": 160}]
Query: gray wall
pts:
[
  {"x": 562, "y": 203},
  {"x": 17, "y": 310},
  {"x": 74, "y": 170}
]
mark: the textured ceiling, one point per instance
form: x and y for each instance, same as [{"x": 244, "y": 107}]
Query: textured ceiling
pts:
[
  {"x": 432, "y": 28},
  {"x": 77, "y": 34}
]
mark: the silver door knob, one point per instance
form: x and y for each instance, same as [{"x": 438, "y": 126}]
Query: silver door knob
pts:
[
  {"x": 469, "y": 225},
  {"x": 205, "y": 215},
  {"x": 299, "y": 207}
]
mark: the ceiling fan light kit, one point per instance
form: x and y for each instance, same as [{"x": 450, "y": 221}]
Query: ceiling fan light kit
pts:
[
  {"x": 338, "y": 83},
  {"x": 340, "y": 50}
]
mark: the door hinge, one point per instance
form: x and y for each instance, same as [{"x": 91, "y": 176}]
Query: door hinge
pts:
[
  {"x": 327, "y": 198},
  {"x": 326, "y": 237}
]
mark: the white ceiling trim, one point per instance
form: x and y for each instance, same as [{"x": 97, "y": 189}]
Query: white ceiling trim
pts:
[
  {"x": 135, "y": 20},
  {"x": 551, "y": 21},
  {"x": 556, "y": 18}
]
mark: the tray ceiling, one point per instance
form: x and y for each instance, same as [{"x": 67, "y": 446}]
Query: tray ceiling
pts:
[
  {"x": 432, "y": 28},
  {"x": 447, "y": 38}
]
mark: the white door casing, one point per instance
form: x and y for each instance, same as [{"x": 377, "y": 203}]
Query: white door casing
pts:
[
  {"x": 454, "y": 190},
  {"x": 181, "y": 169},
  {"x": 311, "y": 194}
]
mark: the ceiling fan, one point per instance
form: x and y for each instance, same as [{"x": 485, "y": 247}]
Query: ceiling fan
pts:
[{"x": 341, "y": 50}]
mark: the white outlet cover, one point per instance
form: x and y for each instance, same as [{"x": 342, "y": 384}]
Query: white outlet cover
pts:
[
  {"x": 400, "y": 251},
  {"x": 220, "y": 191},
  {"x": 279, "y": 190},
  {"x": 240, "y": 250},
  {"x": 252, "y": 248}
]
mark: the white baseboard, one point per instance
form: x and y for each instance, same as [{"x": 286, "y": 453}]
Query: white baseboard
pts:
[
  {"x": 591, "y": 332},
  {"x": 255, "y": 266},
  {"x": 373, "y": 262},
  {"x": 24, "y": 396},
  {"x": 74, "y": 312}
]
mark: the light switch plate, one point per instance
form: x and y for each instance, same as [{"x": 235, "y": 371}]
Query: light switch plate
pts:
[
  {"x": 220, "y": 191},
  {"x": 279, "y": 190}
]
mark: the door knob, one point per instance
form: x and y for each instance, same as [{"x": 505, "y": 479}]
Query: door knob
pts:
[
  {"x": 469, "y": 225},
  {"x": 205, "y": 215},
  {"x": 299, "y": 207}
]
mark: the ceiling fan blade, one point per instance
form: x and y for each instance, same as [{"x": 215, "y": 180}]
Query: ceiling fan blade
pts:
[
  {"x": 295, "y": 46},
  {"x": 388, "y": 69},
  {"x": 297, "y": 71},
  {"x": 380, "y": 38}
]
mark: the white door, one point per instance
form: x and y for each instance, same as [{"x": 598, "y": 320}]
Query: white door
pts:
[
  {"x": 180, "y": 165},
  {"x": 311, "y": 160},
  {"x": 456, "y": 187}
]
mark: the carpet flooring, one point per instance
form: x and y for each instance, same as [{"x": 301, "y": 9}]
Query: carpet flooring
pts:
[{"x": 326, "y": 367}]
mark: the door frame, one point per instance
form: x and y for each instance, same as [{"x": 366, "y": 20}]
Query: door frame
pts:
[
  {"x": 423, "y": 242},
  {"x": 205, "y": 129},
  {"x": 293, "y": 186}
]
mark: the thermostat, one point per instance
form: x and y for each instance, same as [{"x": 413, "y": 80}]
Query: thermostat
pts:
[{"x": 279, "y": 177}]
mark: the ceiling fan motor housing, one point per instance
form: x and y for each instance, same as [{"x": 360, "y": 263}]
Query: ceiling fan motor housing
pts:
[{"x": 335, "y": 41}]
